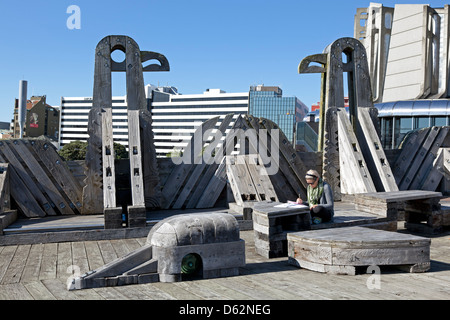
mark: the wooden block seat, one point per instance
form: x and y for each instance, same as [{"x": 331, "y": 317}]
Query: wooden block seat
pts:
[
  {"x": 341, "y": 250},
  {"x": 422, "y": 208}
]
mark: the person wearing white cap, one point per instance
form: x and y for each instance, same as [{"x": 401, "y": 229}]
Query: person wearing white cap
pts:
[{"x": 320, "y": 198}]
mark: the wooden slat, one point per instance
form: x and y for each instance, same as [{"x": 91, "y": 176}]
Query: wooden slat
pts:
[
  {"x": 330, "y": 159},
  {"x": 409, "y": 150},
  {"x": 192, "y": 155},
  {"x": 374, "y": 154},
  {"x": 355, "y": 176},
  {"x": 288, "y": 152},
  {"x": 418, "y": 159},
  {"x": 24, "y": 190},
  {"x": 58, "y": 169},
  {"x": 215, "y": 173},
  {"x": 135, "y": 152},
  {"x": 260, "y": 178},
  {"x": 240, "y": 180},
  {"x": 42, "y": 177},
  {"x": 109, "y": 171},
  {"x": 196, "y": 175},
  {"x": 152, "y": 187},
  {"x": 294, "y": 188},
  {"x": 427, "y": 164},
  {"x": 5, "y": 195}
]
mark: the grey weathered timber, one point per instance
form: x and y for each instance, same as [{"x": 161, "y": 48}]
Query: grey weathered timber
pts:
[
  {"x": 249, "y": 179},
  {"x": 109, "y": 172},
  {"x": 422, "y": 159},
  {"x": 271, "y": 224},
  {"x": 373, "y": 152},
  {"x": 341, "y": 250},
  {"x": 45, "y": 181},
  {"x": 211, "y": 241},
  {"x": 355, "y": 175},
  {"x": 409, "y": 149},
  {"x": 152, "y": 187},
  {"x": 286, "y": 182},
  {"x": 439, "y": 171},
  {"x": 5, "y": 195},
  {"x": 135, "y": 152},
  {"x": 58, "y": 169},
  {"x": 208, "y": 160},
  {"x": 192, "y": 155},
  {"x": 331, "y": 171},
  {"x": 288, "y": 152},
  {"x": 102, "y": 99},
  {"x": 24, "y": 190},
  {"x": 213, "y": 180},
  {"x": 348, "y": 55}
]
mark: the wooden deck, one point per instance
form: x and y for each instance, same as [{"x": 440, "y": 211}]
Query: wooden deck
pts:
[{"x": 40, "y": 271}]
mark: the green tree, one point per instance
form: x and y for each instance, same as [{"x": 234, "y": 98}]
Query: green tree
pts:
[{"x": 76, "y": 150}]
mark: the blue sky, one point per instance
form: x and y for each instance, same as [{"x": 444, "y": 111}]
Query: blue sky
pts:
[{"x": 209, "y": 43}]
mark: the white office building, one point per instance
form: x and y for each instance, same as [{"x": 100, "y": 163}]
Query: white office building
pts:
[
  {"x": 74, "y": 119},
  {"x": 176, "y": 116}
]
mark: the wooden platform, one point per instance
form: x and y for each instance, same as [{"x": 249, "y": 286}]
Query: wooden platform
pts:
[
  {"x": 40, "y": 272},
  {"x": 341, "y": 250}
]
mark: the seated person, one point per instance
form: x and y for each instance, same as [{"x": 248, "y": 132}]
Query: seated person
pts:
[{"x": 320, "y": 198}]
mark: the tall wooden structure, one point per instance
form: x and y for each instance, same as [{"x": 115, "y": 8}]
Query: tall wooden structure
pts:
[
  {"x": 353, "y": 159},
  {"x": 99, "y": 191}
]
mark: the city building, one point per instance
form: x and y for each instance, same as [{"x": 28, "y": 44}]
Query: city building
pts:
[
  {"x": 176, "y": 116},
  {"x": 41, "y": 119},
  {"x": 408, "y": 50},
  {"x": 268, "y": 102},
  {"x": 74, "y": 119}
]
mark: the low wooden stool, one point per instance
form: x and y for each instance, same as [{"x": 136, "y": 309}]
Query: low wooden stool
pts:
[{"x": 341, "y": 250}]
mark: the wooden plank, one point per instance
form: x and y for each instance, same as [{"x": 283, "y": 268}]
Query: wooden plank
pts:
[
  {"x": 42, "y": 177},
  {"x": 240, "y": 180},
  {"x": 5, "y": 195},
  {"x": 108, "y": 156},
  {"x": 195, "y": 177},
  {"x": 33, "y": 264},
  {"x": 355, "y": 177},
  {"x": 135, "y": 154},
  {"x": 102, "y": 99},
  {"x": 427, "y": 164},
  {"x": 7, "y": 254},
  {"x": 64, "y": 258},
  {"x": 152, "y": 186},
  {"x": 15, "y": 268},
  {"x": 214, "y": 187},
  {"x": 288, "y": 152},
  {"x": 279, "y": 162},
  {"x": 191, "y": 155},
  {"x": 418, "y": 159},
  {"x": 214, "y": 178},
  {"x": 409, "y": 149},
  {"x": 39, "y": 291},
  {"x": 24, "y": 190},
  {"x": 49, "y": 261},
  {"x": 260, "y": 178},
  {"x": 330, "y": 158},
  {"x": 58, "y": 169},
  {"x": 373, "y": 152}
]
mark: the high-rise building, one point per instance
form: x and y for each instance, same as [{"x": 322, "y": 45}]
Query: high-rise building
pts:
[
  {"x": 268, "y": 102},
  {"x": 74, "y": 119},
  {"x": 176, "y": 116}
]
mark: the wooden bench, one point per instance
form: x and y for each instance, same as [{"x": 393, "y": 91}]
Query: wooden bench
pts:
[
  {"x": 418, "y": 206},
  {"x": 271, "y": 224},
  {"x": 341, "y": 250}
]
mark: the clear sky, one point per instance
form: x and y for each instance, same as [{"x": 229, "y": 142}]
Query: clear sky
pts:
[{"x": 230, "y": 44}]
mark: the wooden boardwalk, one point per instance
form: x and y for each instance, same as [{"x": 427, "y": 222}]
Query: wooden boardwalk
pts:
[{"x": 40, "y": 271}]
